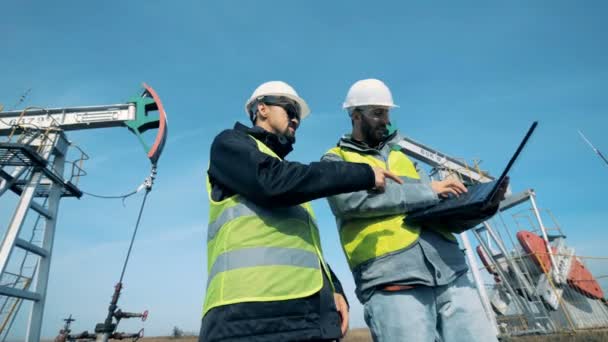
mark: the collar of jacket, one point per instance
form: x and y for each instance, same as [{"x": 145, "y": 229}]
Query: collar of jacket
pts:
[
  {"x": 347, "y": 141},
  {"x": 277, "y": 143}
]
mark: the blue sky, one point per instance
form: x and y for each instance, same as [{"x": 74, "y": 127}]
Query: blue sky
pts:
[{"x": 469, "y": 79}]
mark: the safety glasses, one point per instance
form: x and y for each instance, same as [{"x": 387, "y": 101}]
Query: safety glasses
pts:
[{"x": 292, "y": 108}]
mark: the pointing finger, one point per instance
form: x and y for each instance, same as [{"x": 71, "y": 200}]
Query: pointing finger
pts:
[{"x": 394, "y": 177}]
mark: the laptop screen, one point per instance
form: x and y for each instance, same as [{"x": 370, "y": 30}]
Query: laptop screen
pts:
[{"x": 513, "y": 158}]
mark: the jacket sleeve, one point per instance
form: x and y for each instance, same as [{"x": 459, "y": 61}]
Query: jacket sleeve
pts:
[
  {"x": 237, "y": 164},
  {"x": 396, "y": 198}
]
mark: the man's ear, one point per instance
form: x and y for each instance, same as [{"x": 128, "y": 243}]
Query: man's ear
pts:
[{"x": 263, "y": 111}]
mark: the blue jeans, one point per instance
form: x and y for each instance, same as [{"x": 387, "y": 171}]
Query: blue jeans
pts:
[{"x": 450, "y": 313}]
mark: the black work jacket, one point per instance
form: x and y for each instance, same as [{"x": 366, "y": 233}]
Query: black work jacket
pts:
[{"x": 237, "y": 166}]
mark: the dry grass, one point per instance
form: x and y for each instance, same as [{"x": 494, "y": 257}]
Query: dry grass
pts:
[
  {"x": 358, "y": 335},
  {"x": 168, "y": 339},
  {"x": 354, "y": 335},
  {"x": 363, "y": 335}
]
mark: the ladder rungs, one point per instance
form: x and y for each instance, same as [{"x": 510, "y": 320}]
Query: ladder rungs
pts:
[
  {"x": 13, "y": 292},
  {"x": 41, "y": 210},
  {"x": 31, "y": 248},
  {"x": 6, "y": 176}
]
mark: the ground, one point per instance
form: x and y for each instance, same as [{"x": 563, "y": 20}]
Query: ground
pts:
[
  {"x": 354, "y": 335},
  {"x": 362, "y": 335}
]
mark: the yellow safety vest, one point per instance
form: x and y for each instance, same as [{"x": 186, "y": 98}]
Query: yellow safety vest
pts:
[
  {"x": 257, "y": 254},
  {"x": 365, "y": 239}
]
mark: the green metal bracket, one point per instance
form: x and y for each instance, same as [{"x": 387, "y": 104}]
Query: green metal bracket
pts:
[
  {"x": 148, "y": 102},
  {"x": 142, "y": 120}
]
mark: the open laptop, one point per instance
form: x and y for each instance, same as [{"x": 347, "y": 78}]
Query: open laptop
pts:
[{"x": 457, "y": 213}]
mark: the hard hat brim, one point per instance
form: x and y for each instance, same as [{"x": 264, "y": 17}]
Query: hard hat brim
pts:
[{"x": 389, "y": 105}]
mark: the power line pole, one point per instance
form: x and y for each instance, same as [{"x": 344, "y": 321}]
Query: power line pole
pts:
[{"x": 598, "y": 152}]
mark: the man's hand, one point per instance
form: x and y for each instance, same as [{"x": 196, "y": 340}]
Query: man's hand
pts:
[
  {"x": 381, "y": 176},
  {"x": 342, "y": 308},
  {"x": 448, "y": 186}
]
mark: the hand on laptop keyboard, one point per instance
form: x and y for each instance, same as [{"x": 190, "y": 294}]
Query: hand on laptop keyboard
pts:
[{"x": 448, "y": 186}]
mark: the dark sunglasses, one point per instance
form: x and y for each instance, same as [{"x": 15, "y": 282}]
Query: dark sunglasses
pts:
[{"x": 291, "y": 107}]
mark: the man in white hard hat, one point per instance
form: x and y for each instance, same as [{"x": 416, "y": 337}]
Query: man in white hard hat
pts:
[
  {"x": 411, "y": 280},
  {"x": 267, "y": 279}
]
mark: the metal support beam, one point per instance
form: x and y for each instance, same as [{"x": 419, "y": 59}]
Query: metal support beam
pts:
[
  {"x": 42, "y": 275},
  {"x": 435, "y": 158},
  {"x": 481, "y": 289},
  {"x": 514, "y": 200},
  {"x": 13, "y": 292},
  {"x": 521, "y": 304},
  {"x": 17, "y": 220},
  {"x": 7, "y": 325},
  {"x": 76, "y": 118},
  {"x": 9, "y": 180},
  {"x": 556, "y": 276}
]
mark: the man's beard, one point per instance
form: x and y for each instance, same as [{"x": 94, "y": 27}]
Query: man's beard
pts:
[
  {"x": 288, "y": 137},
  {"x": 291, "y": 137},
  {"x": 373, "y": 135}
]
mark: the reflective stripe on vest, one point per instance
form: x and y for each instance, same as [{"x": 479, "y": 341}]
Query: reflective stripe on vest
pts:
[
  {"x": 365, "y": 239},
  {"x": 256, "y": 254}
]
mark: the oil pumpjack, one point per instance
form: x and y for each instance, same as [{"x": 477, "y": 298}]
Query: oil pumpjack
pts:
[{"x": 34, "y": 166}]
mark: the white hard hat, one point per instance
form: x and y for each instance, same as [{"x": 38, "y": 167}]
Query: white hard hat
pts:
[
  {"x": 277, "y": 88},
  {"x": 370, "y": 92}
]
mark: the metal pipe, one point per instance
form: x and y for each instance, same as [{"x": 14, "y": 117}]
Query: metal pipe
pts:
[
  {"x": 481, "y": 290},
  {"x": 543, "y": 230}
]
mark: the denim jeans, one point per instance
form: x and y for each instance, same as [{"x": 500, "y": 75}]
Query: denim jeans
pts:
[{"x": 450, "y": 313}]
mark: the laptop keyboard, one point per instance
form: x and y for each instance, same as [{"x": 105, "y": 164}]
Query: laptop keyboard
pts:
[
  {"x": 475, "y": 193},
  {"x": 479, "y": 191}
]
